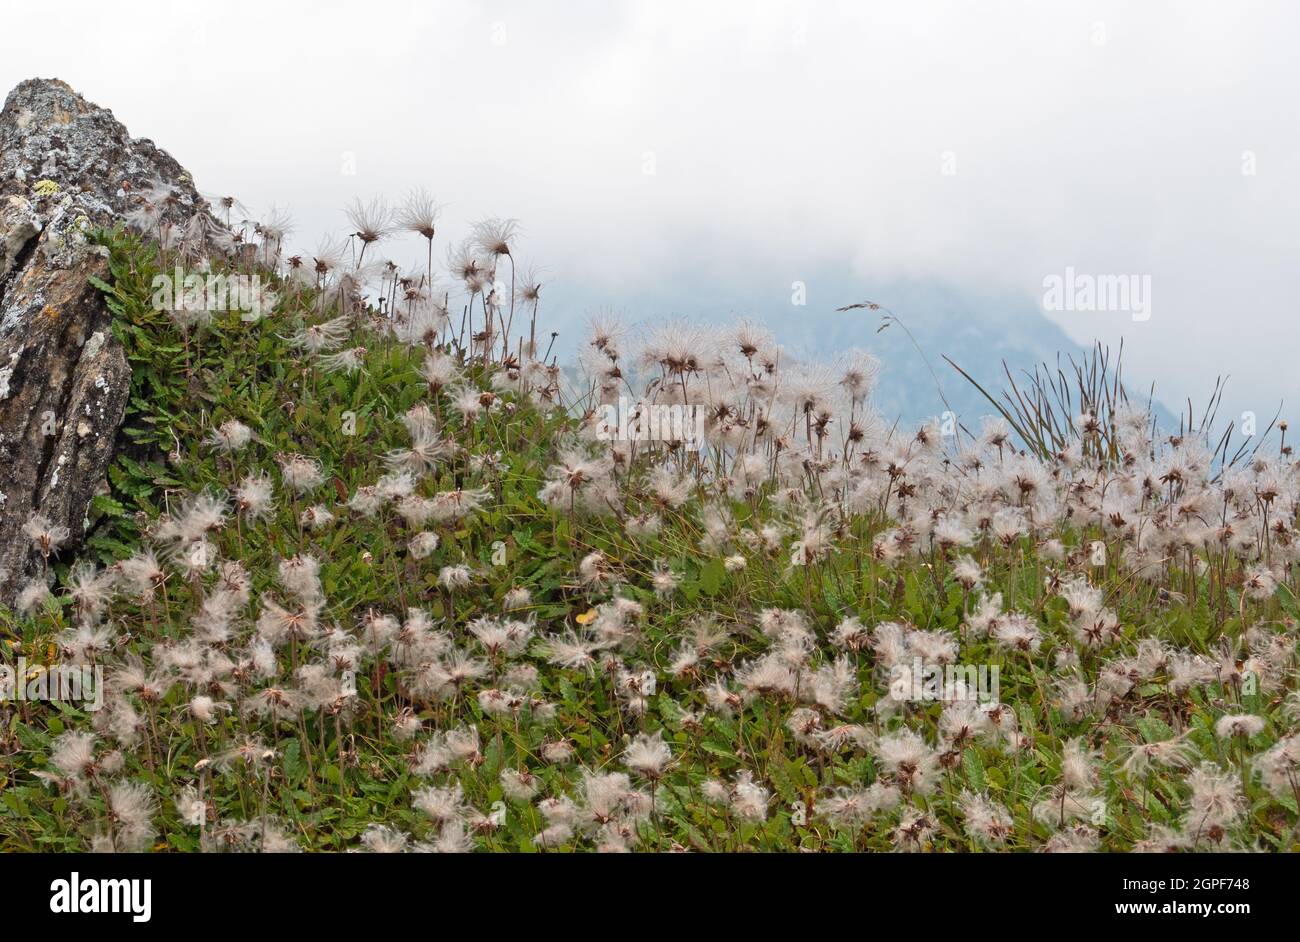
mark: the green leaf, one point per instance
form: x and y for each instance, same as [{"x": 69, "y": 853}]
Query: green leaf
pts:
[
  {"x": 711, "y": 576},
  {"x": 974, "y": 767}
]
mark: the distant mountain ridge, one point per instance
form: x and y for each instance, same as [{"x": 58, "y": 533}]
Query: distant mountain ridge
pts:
[{"x": 979, "y": 333}]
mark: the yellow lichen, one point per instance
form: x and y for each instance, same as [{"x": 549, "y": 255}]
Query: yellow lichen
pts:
[{"x": 45, "y": 188}]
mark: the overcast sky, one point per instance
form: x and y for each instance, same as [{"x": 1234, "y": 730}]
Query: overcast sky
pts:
[{"x": 986, "y": 145}]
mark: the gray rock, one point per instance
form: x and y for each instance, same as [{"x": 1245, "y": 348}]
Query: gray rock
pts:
[{"x": 66, "y": 167}]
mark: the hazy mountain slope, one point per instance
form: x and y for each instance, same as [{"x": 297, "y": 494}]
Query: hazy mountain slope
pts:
[{"x": 978, "y": 332}]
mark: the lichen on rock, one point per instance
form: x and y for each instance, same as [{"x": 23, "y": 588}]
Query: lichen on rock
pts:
[{"x": 67, "y": 167}]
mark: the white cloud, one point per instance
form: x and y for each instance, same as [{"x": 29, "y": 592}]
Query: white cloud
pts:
[{"x": 781, "y": 133}]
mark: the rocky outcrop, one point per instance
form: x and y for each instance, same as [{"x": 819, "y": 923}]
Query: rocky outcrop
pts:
[{"x": 67, "y": 167}]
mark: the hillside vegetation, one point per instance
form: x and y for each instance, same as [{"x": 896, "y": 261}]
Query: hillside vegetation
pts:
[{"x": 369, "y": 574}]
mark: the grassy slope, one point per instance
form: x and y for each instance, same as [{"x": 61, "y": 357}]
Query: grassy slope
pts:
[{"x": 326, "y": 783}]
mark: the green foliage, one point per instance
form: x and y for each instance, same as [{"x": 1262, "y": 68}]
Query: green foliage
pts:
[{"x": 331, "y": 776}]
